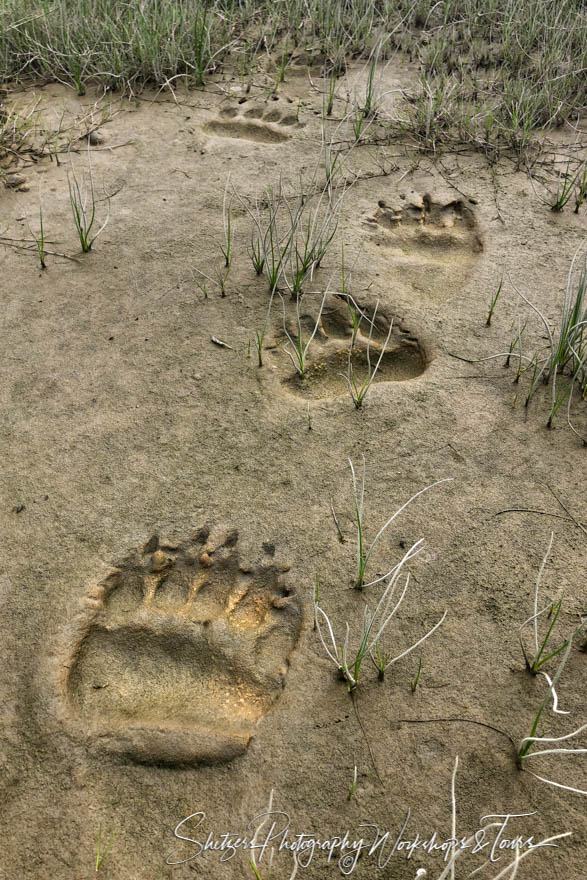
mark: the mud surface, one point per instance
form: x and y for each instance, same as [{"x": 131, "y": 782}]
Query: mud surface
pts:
[{"x": 167, "y": 505}]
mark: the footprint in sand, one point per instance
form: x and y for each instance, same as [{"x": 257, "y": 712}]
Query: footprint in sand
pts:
[
  {"x": 180, "y": 650},
  {"x": 324, "y": 377},
  {"x": 432, "y": 242},
  {"x": 266, "y": 124},
  {"x": 316, "y": 62}
]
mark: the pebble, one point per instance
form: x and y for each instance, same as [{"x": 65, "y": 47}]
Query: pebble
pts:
[
  {"x": 15, "y": 180},
  {"x": 159, "y": 561}
]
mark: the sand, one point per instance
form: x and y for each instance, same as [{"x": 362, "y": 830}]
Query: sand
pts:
[{"x": 168, "y": 504}]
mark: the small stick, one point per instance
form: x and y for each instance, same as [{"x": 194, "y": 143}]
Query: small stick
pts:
[
  {"x": 338, "y": 529},
  {"x": 21, "y": 247},
  {"x": 97, "y": 149},
  {"x": 541, "y": 512},
  {"x": 464, "y": 720},
  {"x": 566, "y": 509},
  {"x": 466, "y": 360},
  {"x": 16, "y": 153},
  {"x": 217, "y": 341}
]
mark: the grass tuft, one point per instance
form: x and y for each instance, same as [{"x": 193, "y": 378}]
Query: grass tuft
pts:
[
  {"x": 102, "y": 853},
  {"x": 493, "y": 76},
  {"x": 83, "y": 202},
  {"x": 375, "y": 623},
  {"x": 530, "y": 741}
]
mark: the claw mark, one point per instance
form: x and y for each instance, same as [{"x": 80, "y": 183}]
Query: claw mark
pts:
[
  {"x": 151, "y": 584},
  {"x": 235, "y": 598},
  {"x": 195, "y": 588}
]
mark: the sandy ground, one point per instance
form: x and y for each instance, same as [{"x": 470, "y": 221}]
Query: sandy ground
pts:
[{"x": 167, "y": 508}]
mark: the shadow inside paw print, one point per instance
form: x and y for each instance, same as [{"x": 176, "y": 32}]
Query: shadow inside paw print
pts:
[
  {"x": 180, "y": 650},
  {"x": 263, "y": 123},
  {"x": 402, "y": 354}
]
